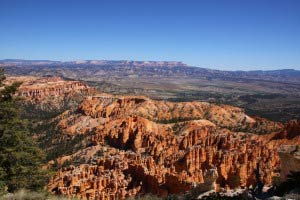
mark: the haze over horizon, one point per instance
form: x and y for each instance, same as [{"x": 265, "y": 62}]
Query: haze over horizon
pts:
[
  {"x": 225, "y": 35},
  {"x": 212, "y": 68}
]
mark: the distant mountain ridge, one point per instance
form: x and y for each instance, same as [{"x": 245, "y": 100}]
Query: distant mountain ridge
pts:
[
  {"x": 115, "y": 69},
  {"x": 133, "y": 62},
  {"x": 93, "y": 62}
]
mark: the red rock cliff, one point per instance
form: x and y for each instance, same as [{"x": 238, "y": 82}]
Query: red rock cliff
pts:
[{"x": 141, "y": 146}]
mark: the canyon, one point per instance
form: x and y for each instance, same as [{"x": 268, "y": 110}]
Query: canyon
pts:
[
  {"x": 270, "y": 94},
  {"x": 131, "y": 145},
  {"x": 142, "y": 155}
]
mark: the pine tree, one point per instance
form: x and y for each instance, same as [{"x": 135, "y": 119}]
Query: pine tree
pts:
[{"x": 20, "y": 158}]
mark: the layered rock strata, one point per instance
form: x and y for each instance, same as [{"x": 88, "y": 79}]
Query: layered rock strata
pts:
[
  {"x": 50, "y": 92},
  {"x": 138, "y": 145}
]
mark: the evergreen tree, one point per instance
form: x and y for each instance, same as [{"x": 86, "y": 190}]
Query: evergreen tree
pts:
[{"x": 20, "y": 158}]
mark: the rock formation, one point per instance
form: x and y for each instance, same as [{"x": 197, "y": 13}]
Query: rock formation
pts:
[
  {"x": 134, "y": 145},
  {"x": 290, "y": 160},
  {"x": 138, "y": 145},
  {"x": 50, "y": 92}
]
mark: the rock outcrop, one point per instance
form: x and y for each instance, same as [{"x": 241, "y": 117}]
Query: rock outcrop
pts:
[
  {"x": 50, "y": 92},
  {"x": 138, "y": 145},
  {"x": 134, "y": 145},
  {"x": 290, "y": 160}
]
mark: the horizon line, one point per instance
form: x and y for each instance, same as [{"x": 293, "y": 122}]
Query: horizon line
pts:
[{"x": 130, "y": 60}]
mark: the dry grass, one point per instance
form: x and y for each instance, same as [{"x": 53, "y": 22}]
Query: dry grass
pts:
[{"x": 29, "y": 195}]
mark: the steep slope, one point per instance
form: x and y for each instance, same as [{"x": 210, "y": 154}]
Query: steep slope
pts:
[
  {"x": 112, "y": 147},
  {"x": 138, "y": 145},
  {"x": 50, "y": 93}
]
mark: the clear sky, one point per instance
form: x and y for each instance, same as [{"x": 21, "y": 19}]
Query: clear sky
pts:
[{"x": 220, "y": 34}]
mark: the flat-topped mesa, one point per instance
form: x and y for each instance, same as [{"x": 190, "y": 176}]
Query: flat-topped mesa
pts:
[
  {"x": 41, "y": 88},
  {"x": 49, "y": 93},
  {"x": 58, "y": 89},
  {"x": 158, "y": 64}
]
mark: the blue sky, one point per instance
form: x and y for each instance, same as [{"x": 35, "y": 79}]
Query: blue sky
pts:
[{"x": 220, "y": 34}]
